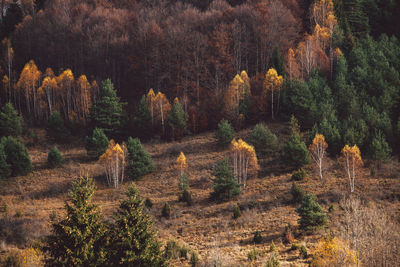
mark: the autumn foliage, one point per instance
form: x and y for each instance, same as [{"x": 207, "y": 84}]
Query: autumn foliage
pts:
[
  {"x": 318, "y": 152},
  {"x": 351, "y": 161},
  {"x": 244, "y": 158},
  {"x": 114, "y": 162},
  {"x": 181, "y": 163}
]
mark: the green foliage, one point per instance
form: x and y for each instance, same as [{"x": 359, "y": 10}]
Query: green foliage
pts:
[
  {"x": 294, "y": 126},
  {"x": 224, "y": 133},
  {"x": 263, "y": 140},
  {"x": 236, "y": 212},
  {"x": 379, "y": 148},
  {"x": 225, "y": 185},
  {"x": 78, "y": 239},
  {"x": 299, "y": 175},
  {"x": 295, "y": 152},
  {"x": 172, "y": 250},
  {"x": 273, "y": 260},
  {"x": 5, "y": 170},
  {"x": 142, "y": 120},
  {"x": 97, "y": 144},
  {"x": 17, "y": 156},
  {"x": 245, "y": 105},
  {"x": 54, "y": 158},
  {"x": 194, "y": 259},
  {"x": 253, "y": 254},
  {"x": 297, "y": 193},
  {"x": 257, "y": 238},
  {"x": 148, "y": 203},
  {"x": 132, "y": 240},
  {"x": 311, "y": 214},
  {"x": 183, "y": 182},
  {"x": 303, "y": 252},
  {"x": 186, "y": 197},
  {"x": 272, "y": 247},
  {"x": 56, "y": 129},
  {"x": 139, "y": 161},
  {"x": 10, "y": 121},
  {"x": 295, "y": 246},
  {"x": 277, "y": 61},
  {"x": 106, "y": 113},
  {"x": 177, "y": 120},
  {"x": 166, "y": 211}
]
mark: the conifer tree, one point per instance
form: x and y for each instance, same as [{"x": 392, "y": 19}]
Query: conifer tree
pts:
[
  {"x": 56, "y": 129},
  {"x": 311, "y": 214},
  {"x": 78, "y": 239},
  {"x": 132, "y": 240},
  {"x": 177, "y": 120},
  {"x": 263, "y": 140},
  {"x": 143, "y": 119},
  {"x": 5, "y": 169},
  {"x": 295, "y": 152},
  {"x": 106, "y": 113},
  {"x": 224, "y": 133},
  {"x": 225, "y": 186},
  {"x": 379, "y": 149},
  {"x": 10, "y": 121},
  {"x": 17, "y": 156},
  {"x": 139, "y": 160},
  {"x": 96, "y": 144},
  {"x": 54, "y": 158}
]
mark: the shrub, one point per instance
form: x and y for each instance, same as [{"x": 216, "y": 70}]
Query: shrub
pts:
[
  {"x": 17, "y": 156},
  {"x": 295, "y": 152},
  {"x": 148, "y": 203},
  {"x": 139, "y": 161},
  {"x": 54, "y": 158},
  {"x": 183, "y": 182},
  {"x": 272, "y": 247},
  {"x": 257, "y": 237},
  {"x": 186, "y": 197},
  {"x": 10, "y": 121},
  {"x": 295, "y": 246},
  {"x": 183, "y": 252},
  {"x": 297, "y": 193},
  {"x": 299, "y": 175},
  {"x": 311, "y": 214},
  {"x": 303, "y": 252},
  {"x": 224, "y": 133},
  {"x": 172, "y": 250},
  {"x": 166, "y": 211},
  {"x": 56, "y": 129},
  {"x": 236, "y": 212},
  {"x": 5, "y": 169},
  {"x": 225, "y": 186},
  {"x": 263, "y": 140},
  {"x": 194, "y": 259},
  {"x": 97, "y": 144},
  {"x": 273, "y": 260},
  {"x": 253, "y": 254},
  {"x": 288, "y": 234}
]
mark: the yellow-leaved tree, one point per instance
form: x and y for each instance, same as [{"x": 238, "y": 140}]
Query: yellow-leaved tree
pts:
[
  {"x": 114, "y": 160},
  {"x": 65, "y": 82},
  {"x": 162, "y": 107},
  {"x": 244, "y": 158},
  {"x": 318, "y": 151},
  {"x": 82, "y": 101},
  {"x": 333, "y": 252},
  {"x": 232, "y": 97},
  {"x": 150, "y": 98},
  {"x": 351, "y": 161},
  {"x": 49, "y": 88},
  {"x": 181, "y": 162},
  {"x": 273, "y": 82}
]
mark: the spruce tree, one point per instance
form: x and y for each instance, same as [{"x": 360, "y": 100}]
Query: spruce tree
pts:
[
  {"x": 225, "y": 186},
  {"x": 132, "y": 239},
  {"x": 263, "y": 140},
  {"x": 17, "y": 156},
  {"x": 106, "y": 113},
  {"x": 78, "y": 239},
  {"x": 379, "y": 149},
  {"x": 96, "y": 144},
  {"x": 56, "y": 129},
  {"x": 142, "y": 120},
  {"x": 224, "y": 133},
  {"x": 10, "y": 121},
  {"x": 177, "y": 120},
  {"x": 139, "y": 161},
  {"x": 295, "y": 152},
  {"x": 311, "y": 214},
  {"x": 54, "y": 158},
  {"x": 5, "y": 169}
]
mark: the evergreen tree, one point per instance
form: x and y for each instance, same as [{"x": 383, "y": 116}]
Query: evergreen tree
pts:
[
  {"x": 5, "y": 169},
  {"x": 132, "y": 240},
  {"x": 139, "y": 160},
  {"x": 54, "y": 158},
  {"x": 56, "y": 129},
  {"x": 78, "y": 239},
  {"x": 379, "y": 149},
  {"x": 177, "y": 120},
  {"x": 97, "y": 144},
  {"x": 17, "y": 156},
  {"x": 224, "y": 133},
  {"x": 311, "y": 214},
  {"x": 225, "y": 186},
  {"x": 297, "y": 193},
  {"x": 295, "y": 152},
  {"x": 142, "y": 120},
  {"x": 10, "y": 121},
  {"x": 106, "y": 113},
  {"x": 277, "y": 61},
  {"x": 263, "y": 140}
]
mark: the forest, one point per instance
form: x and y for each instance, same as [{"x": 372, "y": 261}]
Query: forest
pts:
[{"x": 126, "y": 125}]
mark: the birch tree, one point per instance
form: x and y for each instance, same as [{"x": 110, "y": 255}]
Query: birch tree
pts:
[
  {"x": 318, "y": 151},
  {"x": 113, "y": 161},
  {"x": 244, "y": 158},
  {"x": 351, "y": 161}
]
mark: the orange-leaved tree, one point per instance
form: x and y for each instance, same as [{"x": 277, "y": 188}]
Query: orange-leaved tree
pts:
[
  {"x": 181, "y": 162},
  {"x": 272, "y": 83},
  {"x": 351, "y": 161},
  {"x": 318, "y": 151},
  {"x": 114, "y": 160},
  {"x": 244, "y": 158}
]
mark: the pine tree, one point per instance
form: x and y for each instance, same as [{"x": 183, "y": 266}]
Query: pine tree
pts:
[
  {"x": 379, "y": 149},
  {"x": 5, "y": 169},
  {"x": 142, "y": 120},
  {"x": 78, "y": 239},
  {"x": 132, "y": 240},
  {"x": 10, "y": 121},
  {"x": 106, "y": 113},
  {"x": 263, "y": 140},
  {"x": 139, "y": 160},
  {"x": 295, "y": 152},
  {"x": 177, "y": 120},
  {"x": 56, "y": 129},
  {"x": 54, "y": 158},
  {"x": 225, "y": 186},
  {"x": 311, "y": 214},
  {"x": 17, "y": 156},
  {"x": 96, "y": 144},
  {"x": 224, "y": 133}
]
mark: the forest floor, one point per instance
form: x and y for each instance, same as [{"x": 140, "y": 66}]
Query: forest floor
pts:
[{"x": 205, "y": 227}]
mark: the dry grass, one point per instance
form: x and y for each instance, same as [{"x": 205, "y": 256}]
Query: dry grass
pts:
[{"x": 206, "y": 227}]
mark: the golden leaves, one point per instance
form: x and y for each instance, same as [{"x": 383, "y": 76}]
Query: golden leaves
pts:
[
  {"x": 318, "y": 141},
  {"x": 272, "y": 80},
  {"x": 181, "y": 161},
  {"x": 248, "y": 151},
  {"x": 333, "y": 252},
  {"x": 353, "y": 153}
]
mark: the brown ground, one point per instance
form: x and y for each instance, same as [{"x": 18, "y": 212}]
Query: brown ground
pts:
[{"x": 205, "y": 227}]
